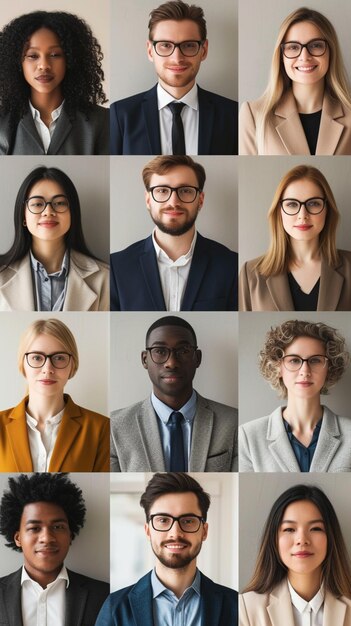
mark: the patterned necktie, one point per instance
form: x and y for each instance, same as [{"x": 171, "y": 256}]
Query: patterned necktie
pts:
[
  {"x": 178, "y": 463},
  {"x": 178, "y": 140}
]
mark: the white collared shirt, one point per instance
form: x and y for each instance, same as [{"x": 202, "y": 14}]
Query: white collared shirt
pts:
[
  {"x": 44, "y": 607},
  {"x": 173, "y": 274},
  {"x": 307, "y": 613},
  {"x": 42, "y": 444},
  {"x": 189, "y": 115},
  {"x": 43, "y": 131}
]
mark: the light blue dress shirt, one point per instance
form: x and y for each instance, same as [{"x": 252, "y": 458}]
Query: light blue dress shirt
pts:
[
  {"x": 50, "y": 289},
  {"x": 168, "y": 610},
  {"x": 163, "y": 412}
]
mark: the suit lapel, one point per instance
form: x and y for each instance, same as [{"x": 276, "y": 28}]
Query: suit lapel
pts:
[
  {"x": 79, "y": 295},
  {"x": 27, "y": 134},
  {"x": 280, "y": 605},
  {"x": 211, "y": 603},
  {"x": 289, "y": 127},
  {"x": 331, "y": 128},
  {"x": 149, "y": 269},
  {"x": 197, "y": 271},
  {"x": 140, "y": 598},
  {"x": 18, "y": 291},
  {"x": 151, "y": 119},
  {"x": 62, "y": 130},
  {"x": 201, "y": 437},
  {"x": 279, "y": 444},
  {"x": 331, "y": 286},
  {"x": 328, "y": 442},
  {"x": 12, "y": 599},
  {"x": 67, "y": 433},
  {"x": 334, "y": 611},
  {"x": 278, "y": 287},
  {"x": 18, "y": 436},
  {"x": 76, "y": 599},
  {"x": 150, "y": 437},
  {"x": 206, "y": 121}
]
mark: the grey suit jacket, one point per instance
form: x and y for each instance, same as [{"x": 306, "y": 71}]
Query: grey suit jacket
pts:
[
  {"x": 136, "y": 443},
  {"x": 264, "y": 445},
  {"x": 84, "y": 598},
  {"x": 87, "y": 286},
  {"x": 78, "y": 135},
  {"x": 272, "y": 293}
]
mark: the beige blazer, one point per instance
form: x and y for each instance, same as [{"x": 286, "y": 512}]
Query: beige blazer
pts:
[
  {"x": 275, "y": 609},
  {"x": 259, "y": 293},
  {"x": 87, "y": 287},
  {"x": 284, "y": 131}
]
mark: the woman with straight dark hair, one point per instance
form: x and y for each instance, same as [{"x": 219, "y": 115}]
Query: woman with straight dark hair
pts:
[
  {"x": 49, "y": 266},
  {"x": 302, "y": 565},
  {"x": 51, "y": 87}
]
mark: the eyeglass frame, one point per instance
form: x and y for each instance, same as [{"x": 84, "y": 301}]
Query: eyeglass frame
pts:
[
  {"x": 170, "y": 350},
  {"x": 58, "y": 195},
  {"x": 200, "y": 42},
  {"x": 304, "y": 45},
  {"x": 47, "y": 356},
  {"x": 176, "y": 519},
  {"x": 176, "y": 189},
  {"x": 303, "y": 361},
  {"x": 303, "y": 204}
]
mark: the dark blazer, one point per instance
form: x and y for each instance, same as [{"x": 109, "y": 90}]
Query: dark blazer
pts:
[
  {"x": 132, "y": 606},
  {"x": 134, "y": 124},
  {"x": 212, "y": 283},
  {"x": 84, "y": 597},
  {"x": 78, "y": 135}
]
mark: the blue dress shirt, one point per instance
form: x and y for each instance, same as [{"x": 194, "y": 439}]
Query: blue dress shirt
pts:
[
  {"x": 168, "y": 610},
  {"x": 304, "y": 455}
]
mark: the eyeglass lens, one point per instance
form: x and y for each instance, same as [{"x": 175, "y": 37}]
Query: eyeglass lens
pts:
[
  {"x": 315, "y": 47},
  {"x": 163, "y": 194},
  {"x": 160, "y": 354},
  {"x": 59, "y": 360},
  {"x": 37, "y": 204},
  {"x": 291, "y": 206},
  {"x": 187, "y": 48},
  {"x": 293, "y": 362},
  {"x": 188, "y": 523}
]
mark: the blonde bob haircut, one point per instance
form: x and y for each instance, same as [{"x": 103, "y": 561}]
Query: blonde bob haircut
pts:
[
  {"x": 55, "y": 328},
  {"x": 336, "y": 81},
  {"x": 279, "y": 256},
  {"x": 280, "y": 337}
]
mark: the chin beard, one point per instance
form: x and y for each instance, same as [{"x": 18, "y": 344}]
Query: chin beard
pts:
[
  {"x": 176, "y": 230},
  {"x": 177, "y": 561}
]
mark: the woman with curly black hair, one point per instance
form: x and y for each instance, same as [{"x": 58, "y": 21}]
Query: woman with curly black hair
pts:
[
  {"x": 51, "y": 86},
  {"x": 300, "y": 360}
]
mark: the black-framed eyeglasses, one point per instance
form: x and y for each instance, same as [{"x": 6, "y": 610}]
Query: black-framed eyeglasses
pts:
[
  {"x": 291, "y": 206},
  {"x": 293, "y": 49},
  {"x": 162, "y": 522},
  {"x": 59, "y": 360},
  {"x": 38, "y": 204},
  {"x": 161, "y": 354},
  {"x": 185, "y": 193},
  {"x": 187, "y": 48},
  {"x": 294, "y": 362}
]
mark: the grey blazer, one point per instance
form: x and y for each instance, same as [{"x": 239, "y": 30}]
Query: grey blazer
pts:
[
  {"x": 79, "y": 135},
  {"x": 136, "y": 443},
  {"x": 264, "y": 445},
  {"x": 84, "y": 598}
]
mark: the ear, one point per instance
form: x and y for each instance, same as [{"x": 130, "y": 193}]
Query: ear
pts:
[
  {"x": 149, "y": 49},
  {"x": 204, "y": 50},
  {"x": 147, "y": 530},
  {"x": 204, "y": 531},
  {"x": 201, "y": 199},
  {"x": 144, "y": 359},
  {"x": 198, "y": 357},
  {"x": 147, "y": 200},
  {"x": 16, "y": 539}
]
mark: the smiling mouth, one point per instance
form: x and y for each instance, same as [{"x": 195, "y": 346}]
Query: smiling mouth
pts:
[
  {"x": 304, "y": 226},
  {"x": 306, "y": 70}
]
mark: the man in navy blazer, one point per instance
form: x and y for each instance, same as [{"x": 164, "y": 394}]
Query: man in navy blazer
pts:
[
  {"x": 174, "y": 269},
  {"x": 176, "y": 508},
  {"x": 142, "y": 124}
]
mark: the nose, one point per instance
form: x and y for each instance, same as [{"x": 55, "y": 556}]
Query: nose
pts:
[
  {"x": 46, "y": 535},
  {"x": 177, "y": 54},
  {"x": 49, "y": 211},
  {"x": 47, "y": 367},
  {"x": 44, "y": 63},
  {"x": 304, "y": 53},
  {"x": 172, "y": 360},
  {"x": 303, "y": 213},
  {"x": 301, "y": 537},
  {"x": 305, "y": 369}
]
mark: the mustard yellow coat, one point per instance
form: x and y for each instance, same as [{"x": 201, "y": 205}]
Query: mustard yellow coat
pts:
[{"x": 82, "y": 444}]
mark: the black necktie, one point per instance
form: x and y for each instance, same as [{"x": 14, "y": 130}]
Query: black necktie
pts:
[
  {"x": 178, "y": 140},
  {"x": 178, "y": 463}
]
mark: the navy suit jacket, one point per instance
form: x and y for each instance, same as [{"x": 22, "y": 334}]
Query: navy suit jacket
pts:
[
  {"x": 135, "y": 129},
  {"x": 132, "y": 606},
  {"x": 212, "y": 283}
]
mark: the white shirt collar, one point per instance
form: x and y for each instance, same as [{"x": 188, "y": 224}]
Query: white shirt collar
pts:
[
  {"x": 63, "y": 575},
  {"x": 54, "y": 115},
  {"x": 190, "y": 98},
  {"x": 300, "y": 604},
  {"x": 163, "y": 256}
]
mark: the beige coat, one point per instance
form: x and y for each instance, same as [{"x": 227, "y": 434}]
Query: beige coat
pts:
[
  {"x": 259, "y": 293},
  {"x": 87, "y": 287},
  {"x": 275, "y": 609},
  {"x": 284, "y": 131}
]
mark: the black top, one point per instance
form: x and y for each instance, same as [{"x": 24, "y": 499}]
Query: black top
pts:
[
  {"x": 303, "y": 301},
  {"x": 311, "y": 123},
  {"x": 304, "y": 455}
]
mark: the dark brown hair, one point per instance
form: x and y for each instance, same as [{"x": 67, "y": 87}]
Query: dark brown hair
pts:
[
  {"x": 178, "y": 10},
  {"x": 162, "y": 164},
  {"x": 173, "y": 482}
]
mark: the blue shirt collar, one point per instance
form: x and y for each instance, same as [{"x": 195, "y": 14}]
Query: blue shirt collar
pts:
[
  {"x": 163, "y": 411},
  {"x": 158, "y": 587}
]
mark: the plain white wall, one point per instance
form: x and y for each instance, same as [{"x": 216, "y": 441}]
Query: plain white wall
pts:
[
  {"x": 89, "y": 386},
  {"x": 256, "y": 397},
  {"x": 130, "y": 219},
  {"x": 258, "y": 492},
  {"x": 257, "y": 186},
  {"x": 219, "y": 555},
  {"x": 132, "y": 72},
  {"x": 216, "y": 378},
  {"x": 90, "y": 176},
  {"x": 259, "y": 23},
  {"x": 89, "y": 553},
  {"x": 96, "y": 13}
]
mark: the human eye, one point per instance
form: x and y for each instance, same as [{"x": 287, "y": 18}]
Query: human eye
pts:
[
  {"x": 293, "y": 46},
  {"x": 60, "y": 526},
  {"x": 162, "y": 191},
  {"x": 59, "y": 358},
  {"x": 160, "y": 351},
  {"x": 187, "y": 191},
  {"x": 318, "y": 44},
  {"x": 33, "y": 529},
  {"x": 316, "y": 360},
  {"x": 318, "y": 528},
  {"x": 294, "y": 360},
  {"x": 288, "y": 529},
  {"x": 56, "y": 54},
  {"x": 31, "y": 55},
  {"x": 165, "y": 45},
  {"x": 291, "y": 204},
  {"x": 189, "y": 45},
  {"x": 36, "y": 357}
]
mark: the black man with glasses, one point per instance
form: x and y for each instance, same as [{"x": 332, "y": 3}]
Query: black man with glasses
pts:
[
  {"x": 175, "y": 268},
  {"x": 176, "y": 507},
  {"x": 174, "y": 429},
  {"x": 176, "y": 116}
]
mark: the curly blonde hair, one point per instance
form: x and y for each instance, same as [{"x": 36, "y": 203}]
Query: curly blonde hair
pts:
[{"x": 279, "y": 337}]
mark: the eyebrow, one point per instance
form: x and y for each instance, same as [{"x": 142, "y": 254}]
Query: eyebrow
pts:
[
  {"x": 39, "y": 521},
  {"x": 164, "y": 343},
  {"x": 291, "y": 521},
  {"x": 56, "y": 45},
  {"x": 181, "y": 515}
]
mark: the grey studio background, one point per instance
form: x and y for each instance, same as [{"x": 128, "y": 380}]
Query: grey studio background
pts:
[
  {"x": 89, "y": 386},
  {"x": 96, "y": 13},
  {"x": 89, "y": 175},
  {"x": 131, "y": 221},
  {"x": 132, "y": 72},
  {"x": 218, "y": 558},
  {"x": 216, "y": 378},
  {"x": 259, "y": 23},
  {"x": 256, "y": 398},
  {"x": 257, "y": 494},
  {"x": 89, "y": 552},
  {"x": 257, "y": 186}
]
